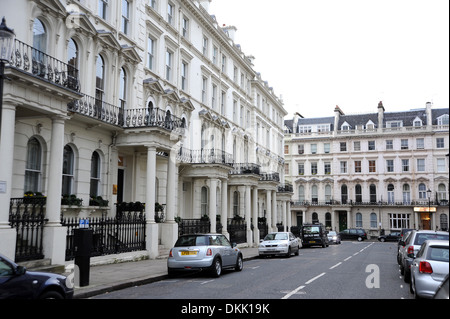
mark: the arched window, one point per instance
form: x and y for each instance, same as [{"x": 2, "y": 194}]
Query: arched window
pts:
[
  {"x": 99, "y": 81},
  {"x": 328, "y": 220},
  {"x": 123, "y": 89},
  {"x": 68, "y": 170},
  {"x": 373, "y": 193},
  {"x": 406, "y": 194},
  {"x": 373, "y": 220},
  {"x": 301, "y": 193},
  {"x": 39, "y": 37},
  {"x": 358, "y": 193},
  {"x": 344, "y": 194},
  {"x": 33, "y": 166},
  {"x": 314, "y": 195},
  {"x": 359, "y": 222},
  {"x": 390, "y": 189},
  {"x": 204, "y": 201},
  {"x": 72, "y": 58},
  {"x": 328, "y": 194},
  {"x": 95, "y": 175},
  {"x": 315, "y": 218},
  {"x": 442, "y": 192},
  {"x": 422, "y": 191}
]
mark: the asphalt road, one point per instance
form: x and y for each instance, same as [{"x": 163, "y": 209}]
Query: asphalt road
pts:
[{"x": 352, "y": 270}]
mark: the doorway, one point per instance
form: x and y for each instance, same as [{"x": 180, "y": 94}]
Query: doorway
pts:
[
  {"x": 342, "y": 221},
  {"x": 425, "y": 221},
  {"x": 120, "y": 182}
]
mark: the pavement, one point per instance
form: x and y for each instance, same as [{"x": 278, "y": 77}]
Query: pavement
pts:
[{"x": 128, "y": 270}]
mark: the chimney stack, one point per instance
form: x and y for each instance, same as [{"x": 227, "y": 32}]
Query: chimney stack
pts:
[{"x": 380, "y": 115}]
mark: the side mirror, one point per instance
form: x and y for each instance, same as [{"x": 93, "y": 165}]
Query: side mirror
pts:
[
  {"x": 261, "y": 240},
  {"x": 20, "y": 270},
  {"x": 401, "y": 242},
  {"x": 233, "y": 245}
]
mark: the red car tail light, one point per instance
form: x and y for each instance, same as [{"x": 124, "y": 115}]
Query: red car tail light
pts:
[
  {"x": 410, "y": 250},
  {"x": 209, "y": 252},
  {"x": 425, "y": 267},
  {"x": 170, "y": 254}
]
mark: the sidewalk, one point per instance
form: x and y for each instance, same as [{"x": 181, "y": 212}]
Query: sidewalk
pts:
[{"x": 105, "y": 278}]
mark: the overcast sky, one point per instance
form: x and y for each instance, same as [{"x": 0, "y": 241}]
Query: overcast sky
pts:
[{"x": 317, "y": 54}]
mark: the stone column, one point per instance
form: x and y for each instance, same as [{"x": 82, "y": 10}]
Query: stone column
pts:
[
  {"x": 169, "y": 232},
  {"x": 269, "y": 209},
  {"x": 150, "y": 199},
  {"x": 54, "y": 239},
  {"x": 283, "y": 214},
  {"x": 224, "y": 213},
  {"x": 289, "y": 215},
  {"x": 248, "y": 215},
  {"x": 274, "y": 211},
  {"x": 213, "y": 204},
  {"x": 7, "y": 234},
  {"x": 255, "y": 215}
]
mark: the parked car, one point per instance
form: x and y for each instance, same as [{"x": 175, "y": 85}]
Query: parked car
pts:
[
  {"x": 411, "y": 246},
  {"x": 442, "y": 291},
  {"x": 353, "y": 233},
  {"x": 401, "y": 246},
  {"x": 429, "y": 268},
  {"x": 279, "y": 243},
  {"x": 16, "y": 282},
  {"x": 333, "y": 237},
  {"x": 211, "y": 252},
  {"x": 314, "y": 235},
  {"x": 393, "y": 236}
]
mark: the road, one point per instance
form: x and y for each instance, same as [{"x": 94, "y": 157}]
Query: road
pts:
[{"x": 352, "y": 270}]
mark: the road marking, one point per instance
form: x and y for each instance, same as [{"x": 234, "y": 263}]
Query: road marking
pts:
[
  {"x": 311, "y": 280},
  {"x": 335, "y": 265},
  {"x": 293, "y": 292},
  {"x": 347, "y": 258},
  {"x": 205, "y": 282},
  {"x": 256, "y": 267},
  {"x": 355, "y": 253}
]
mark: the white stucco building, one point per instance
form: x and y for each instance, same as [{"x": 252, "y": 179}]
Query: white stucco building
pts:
[
  {"x": 145, "y": 101},
  {"x": 381, "y": 170}
]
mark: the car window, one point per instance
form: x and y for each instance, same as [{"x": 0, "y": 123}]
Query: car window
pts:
[
  {"x": 421, "y": 237},
  {"x": 185, "y": 241},
  {"x": 438, "y": 253},
  {"x": 311, "y": 229},
  {"x": 353, "y": 231},
  {"x": 224, "y": 241},
  {"x": 6, "y": 269}
]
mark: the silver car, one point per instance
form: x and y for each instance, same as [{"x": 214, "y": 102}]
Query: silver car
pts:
[
  {"x": 429, "y": 268},
  {"x": 211, "y": 252},
  {"x": 279, "y": 243},
  {"x": 411, "y": 246}
]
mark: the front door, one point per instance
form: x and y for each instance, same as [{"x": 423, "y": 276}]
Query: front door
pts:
[
  {"x": 342, "y": 221},
  {"x": 120, "y": 180}
]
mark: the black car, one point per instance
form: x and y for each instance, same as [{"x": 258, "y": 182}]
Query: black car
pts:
[
  {"x": 314, "y": 235},
  {"x": 394, "y": 236},
  {"x": 353, "y": 233},
  {"x": 18, "y": 283}
]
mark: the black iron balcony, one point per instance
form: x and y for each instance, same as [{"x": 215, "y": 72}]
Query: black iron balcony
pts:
[
  {"x": 270, "y": 177},
  {"x": 245, "y": 168},
  {"x": 285, "y": 188},
  {"x": 154, "y": 117},
  {"x": 97, "y": 109},
  {"x": 204, "y": 156},
  {"x": 37, "y": 63}
]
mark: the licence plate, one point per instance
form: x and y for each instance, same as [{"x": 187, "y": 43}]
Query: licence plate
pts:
[
  {"x": 188, "y": 253},
  {"x": 312, "y": 241}
]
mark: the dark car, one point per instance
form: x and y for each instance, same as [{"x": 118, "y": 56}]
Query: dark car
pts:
[
  {"x": 353, "y": 233},
  {"x": 314, "y": 235},
  {"x": 394, "y": 236},
  {"x": 18, "y": 283}
]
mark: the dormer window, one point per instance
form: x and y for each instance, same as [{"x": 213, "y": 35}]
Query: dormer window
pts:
[
  {"x": 417, "y": 122},
  {"x": 442, "y": 120},
  {"x": 345, "y": 127}
]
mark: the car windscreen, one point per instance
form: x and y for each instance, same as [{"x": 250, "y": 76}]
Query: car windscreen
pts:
[
  {"x": 185, "y": 241},
  {"x": 438, "y": 253},
  {"x": 276, "y": 237},
  {"x": 420, "y": 238},
  {"x": 311, "y": 229}
]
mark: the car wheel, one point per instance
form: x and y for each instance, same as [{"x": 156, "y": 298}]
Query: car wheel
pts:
[
  {"x": 289, "y": 252},
  {"x": 298, "y": 251},
  {"x": 239, "y": 263},
  {"x": 360, "y": 238},
  {"x": 407, "y": 276},
  {"x": 51, "y": 295},
  {"x": 382, "y": 240},
  {"x": 216, "y": 267},
  {"x": 411, "y": 284}
]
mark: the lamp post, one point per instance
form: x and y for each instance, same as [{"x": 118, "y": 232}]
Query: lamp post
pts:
[{"x": 7, "y": 37}]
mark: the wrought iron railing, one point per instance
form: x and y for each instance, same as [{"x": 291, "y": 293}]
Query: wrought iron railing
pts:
[
  {"x": 27, "y": 216},
  {"x": 97, "y": 109},
  {"x": 155, "y": 117},
  {"x": 204, "y": 156},
  {"x": 38, "y": 63},
  {"x": 245, "y": 168}
]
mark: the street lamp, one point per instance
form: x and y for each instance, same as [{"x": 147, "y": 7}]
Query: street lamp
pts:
[
  {"x": 429, "y": 202},
  {"x": 7, "y": 37}
]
